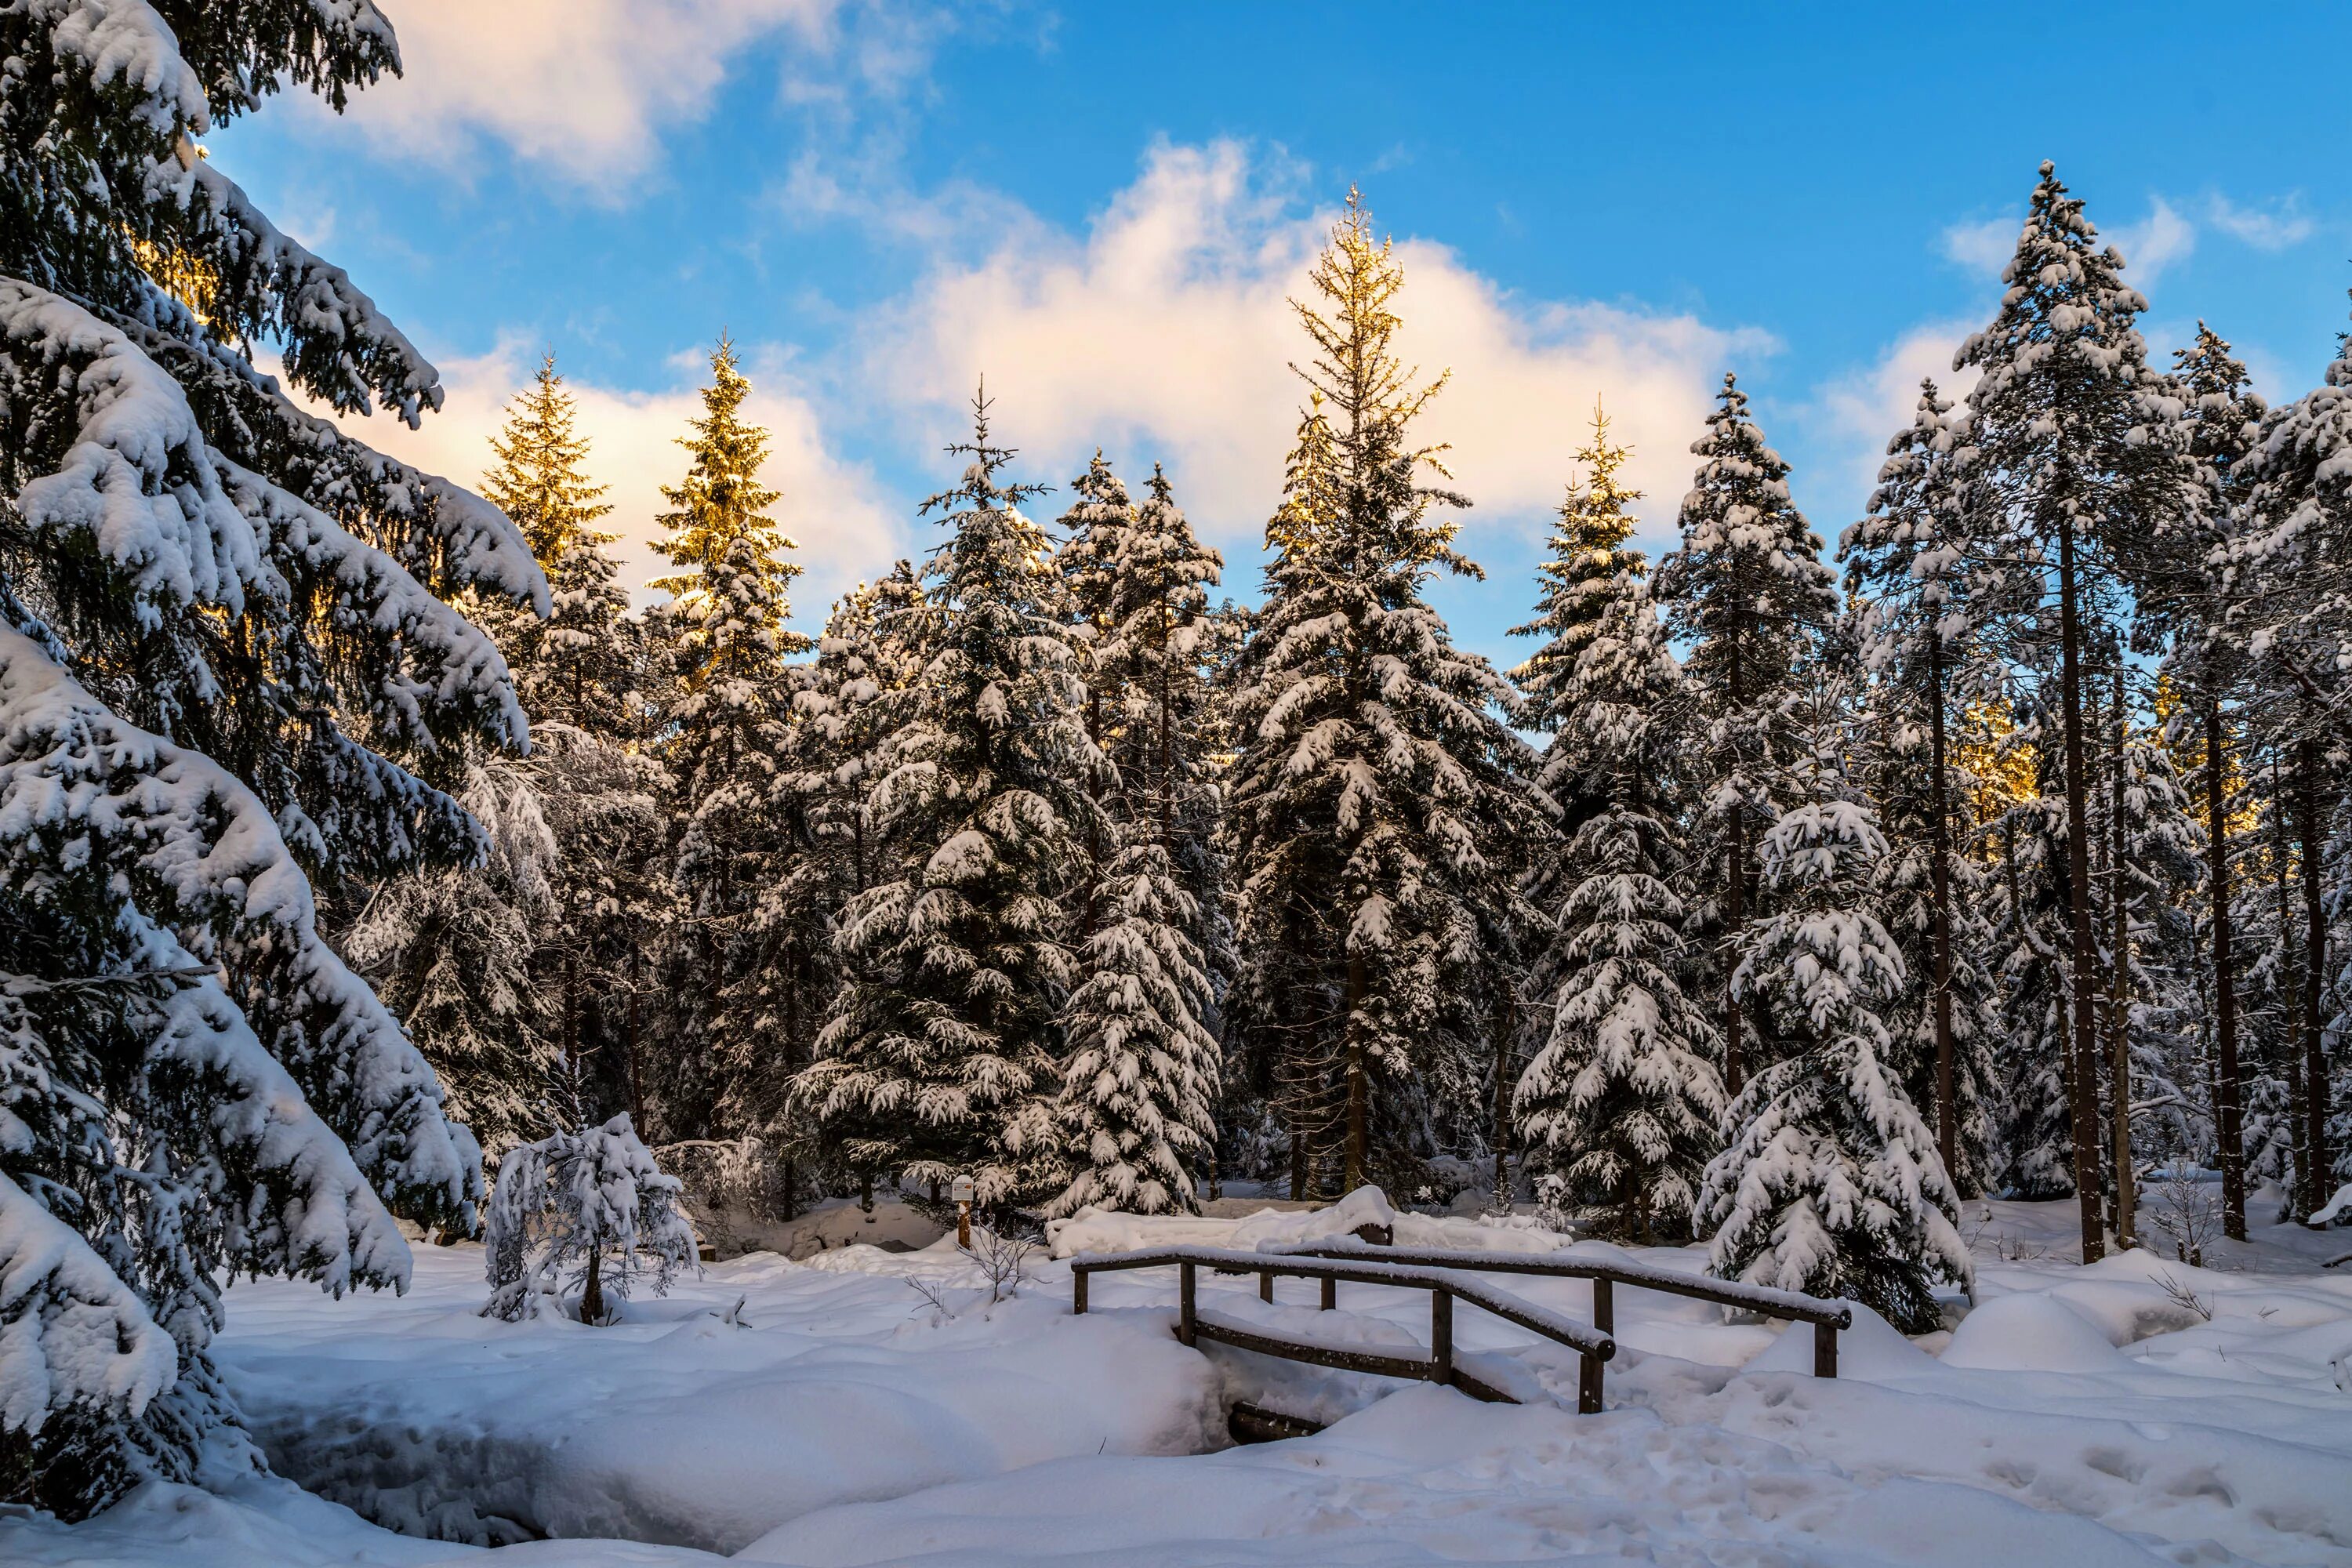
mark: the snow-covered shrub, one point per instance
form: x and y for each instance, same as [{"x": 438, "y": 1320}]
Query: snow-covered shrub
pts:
[{"x": 578, "y": 1215}]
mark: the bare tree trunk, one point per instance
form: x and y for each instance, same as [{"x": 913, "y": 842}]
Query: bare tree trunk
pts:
[
  {"x": 592, "y": 1296},
  {"x": 1358, "y": 1088},
  {"x": 2119, "y": 984},
  {"x": 2084, "y": 1101},
  {"x": 2314, "y": 976},
  {"x": 2228, "y": 1099},
  {"x": 1948, "y": 1114}
]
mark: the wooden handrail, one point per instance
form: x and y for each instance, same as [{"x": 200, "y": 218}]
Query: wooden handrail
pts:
[
  {"x": 1593, "y": 1346},
  {"x": 1827, "y": 1317}
]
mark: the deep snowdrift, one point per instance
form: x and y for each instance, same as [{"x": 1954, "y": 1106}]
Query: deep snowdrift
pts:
[{"x": 2138, "y": 1410}]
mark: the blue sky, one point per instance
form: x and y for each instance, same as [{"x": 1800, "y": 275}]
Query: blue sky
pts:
[{"x": 1102, "y": 206}]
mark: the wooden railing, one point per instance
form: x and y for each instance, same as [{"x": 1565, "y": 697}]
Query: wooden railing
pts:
[
  {"x": 1826, "y": 1316},
  {"x": 1444, "y": 1284}
]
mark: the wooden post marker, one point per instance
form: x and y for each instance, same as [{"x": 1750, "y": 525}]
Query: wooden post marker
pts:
[{"x": 960, "y": 1190}]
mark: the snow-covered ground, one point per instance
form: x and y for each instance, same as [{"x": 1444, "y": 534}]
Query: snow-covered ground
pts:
[{"x": 2135, "y": 1412}]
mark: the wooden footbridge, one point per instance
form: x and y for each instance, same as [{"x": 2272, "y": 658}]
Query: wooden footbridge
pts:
[{"x": 1448, "y": 1277}]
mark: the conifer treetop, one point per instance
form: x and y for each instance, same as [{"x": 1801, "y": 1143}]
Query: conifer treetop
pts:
[
  {"x": 722, "y": 503},
  {"x": 538, "y": 481},
  {"x": 1588, "y": 554}
]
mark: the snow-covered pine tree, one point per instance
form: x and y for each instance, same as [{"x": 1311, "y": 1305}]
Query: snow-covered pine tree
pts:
[
  {"x": 2071, "y": 471},
  {"x": 222, "y": 651},
  {"x": 942, "y": 1052},
  {"x": 1909, "y": 561},
  {"x": 1380, "y": 822},
  {"x": 1139, "y": 1095},
  {"x": 575, "y": 1219},
  {"x": 1587, "y": 554},
  {"x": 2289, "y": 580},
  {"x": 730, "y": 1049},
  {"x": 1622, "y": 1100},
  {"x": 506, "y": 970},
  {"x": 1832, "y": 1184},
  {"x": 1748, "y": 594},
  {"x": 2184, "y": 600},
  {"x": 577, "y": 667}
]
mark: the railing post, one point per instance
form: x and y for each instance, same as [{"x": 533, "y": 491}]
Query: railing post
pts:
[
  {"x": 1078, "y": 1277},
  {"x": 1604, "y": 1306},
  {"x": 1184, "y": 1303},
  {"x": 1441, "y": 1337},
  {"x": 1588, "y": 1386},
  {"x": 1824, "y": 1349},
  {"x": 1265, "y": 1285},
  {"x": 1330, "y": 1293}
]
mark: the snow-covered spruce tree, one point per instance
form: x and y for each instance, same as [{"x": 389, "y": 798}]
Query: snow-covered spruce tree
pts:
[
  {"x": 1588, "y": 554},
  {"x": 943, "y": 1053},
  {"x": 222, "y": 649},
  {"x": 1909, "y": 563},
  {"x": 1379, "y": 816},
  {"x": 1139, "y": 1094},
  {"x": 2289, "y": 579},
  {"x": 1622, "y": 1100},
  {"x": 1832, "y": 1184},
  {"x": 498, "y": 969},
  {"x": 730, "y": 1048},
  {"x": 2071, "y": 470},
  {"x": 1748, "y": 594},
  {"x": 575, "y": 1219},
  {"x": 2184, "y": 600}
]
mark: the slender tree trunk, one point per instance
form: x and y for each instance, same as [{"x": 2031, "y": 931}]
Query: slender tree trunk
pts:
[
  {"x": 1505, "y": 1058},
  {"x": 1947, "y": 1115},
  {"x": 2314, "y": 978},
  {"x": 636, "y": 1018},
  {"x": 2084, "y": 1102},
  {"x": 1358, "y": 1087},
  {"x": 1735, "y": 879},
  {"x": 2290, "y": 1037},
  {"x": 592, "y": 1296},
  {"x": 2119, "y": 986},
  {"x": 2229, "y": 1098}
]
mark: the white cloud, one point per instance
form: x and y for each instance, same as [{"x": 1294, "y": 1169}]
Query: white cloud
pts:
[
  {"x": 2155, "y": 243},
  {"x": 581, "y": 87},
  {"x": 1857, "y": 413},
  {"x": 2274, "y": 227},
  {"x": 847, "y": 531},
  {"x": 1163, "y": 333},
  {"x": 1983, "y": 247}
]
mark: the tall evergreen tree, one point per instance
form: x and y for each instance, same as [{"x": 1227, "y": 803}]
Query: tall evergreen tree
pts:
[
  {"x": 1749, "y": 593},
  {"x": 222, "y": 653},
  {"x": 2072, "y": 470},
  {"x": 2290, "y": 575},
  {"x": 1911, "y": 562},
  {"x": 1378, "y": 821},
  {"x": 1137, "y": 1107},
  {"x": 943, "y": 1050},
  {"x": 1623, "y": 1099},
  {"x": 2185, "y": 598},
  {"x": 728, "y": 1060}
]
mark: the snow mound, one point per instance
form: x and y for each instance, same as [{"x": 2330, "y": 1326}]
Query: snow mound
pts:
[
  {"x": 1874, "y": 1350},
  {"x": 2030, "y": 1333}
]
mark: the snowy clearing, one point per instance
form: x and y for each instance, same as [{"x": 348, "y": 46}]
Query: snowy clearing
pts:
[{"x": 2136, "y": 1411}]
